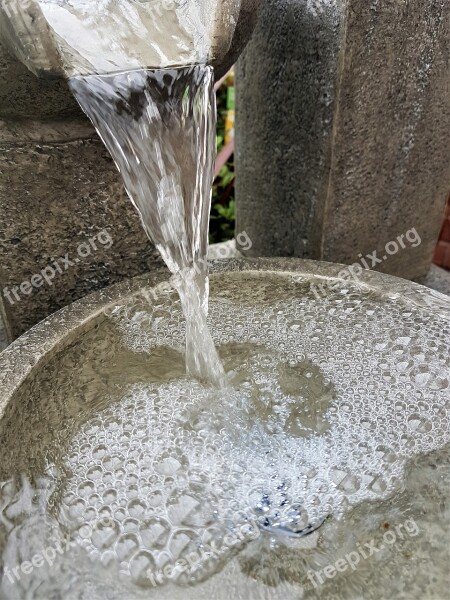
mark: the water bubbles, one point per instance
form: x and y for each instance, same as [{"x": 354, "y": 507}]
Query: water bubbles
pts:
[
  {"x": 368, "y": 424},
  {"x": 127, "y": 546},
  {"x": 94, "y": 473},
  {"x": 105, "y": 534},
  {"x": 137, "y": 509},
  {"x": 184, "y": 542},
  {"x": 129, "y": 524},
  {"x": 76, "y": 508},
  {"x": 349, "y": 484},
  {"x": 86, "y": 488},
  {"x": 378, "y": 485},
  {"x": 99, "y": 452},
  {"x": 295, "y": 519},
  {"x": 142, "y": 566},
  {"x": 419, "y": 423},
  {"x": 319, "y": 416},
  {"x": 263, "y": 504},
  {"x": 155, "y": 498},
  {"x": 170, "y": 462},
  {"x": 155, "y": 532},
  {"x": 109, "y": 496}
]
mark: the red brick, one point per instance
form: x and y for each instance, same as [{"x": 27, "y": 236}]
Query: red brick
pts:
[
  {"x": 442, "y": 252},
  {"x": 442, "y": 255},
  {"x": 445, "y": 231}
]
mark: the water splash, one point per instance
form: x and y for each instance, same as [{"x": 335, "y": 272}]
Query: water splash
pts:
[{"x": 159, "y": 126}]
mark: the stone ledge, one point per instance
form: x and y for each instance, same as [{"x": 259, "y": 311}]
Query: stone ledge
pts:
[{"x": 437, "y": 279}]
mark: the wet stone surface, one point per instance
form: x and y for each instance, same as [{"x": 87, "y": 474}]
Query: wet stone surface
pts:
[{"x": 319, "y": 440}]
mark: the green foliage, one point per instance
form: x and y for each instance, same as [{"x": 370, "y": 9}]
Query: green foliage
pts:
[{"x": 222, "y": 220}]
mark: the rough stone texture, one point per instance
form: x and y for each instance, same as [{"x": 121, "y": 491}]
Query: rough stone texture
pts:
[
  {"x": 3, "y": 340},
  {"x": 437, "y": 279},
  {"x": 342, "y": 129},
  {"x": 24, "y": 96},
  {"x": 285, "y": 105},
  {"x": 245, "y": 25},
  {"x": 58, "y": 188}
]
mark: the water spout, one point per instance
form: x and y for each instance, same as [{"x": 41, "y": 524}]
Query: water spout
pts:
[{"x": 73, "y": 37}]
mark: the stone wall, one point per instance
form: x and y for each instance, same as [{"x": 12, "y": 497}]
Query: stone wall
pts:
[
  {"x": 59, "y": 188},
  {"x": 342, "y": 127}
]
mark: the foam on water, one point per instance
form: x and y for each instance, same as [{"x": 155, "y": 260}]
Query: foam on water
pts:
[{"x": 302, "y": 456}]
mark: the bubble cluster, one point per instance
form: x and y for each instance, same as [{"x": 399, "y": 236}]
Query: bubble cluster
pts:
[{"x": 326, "y": 402}]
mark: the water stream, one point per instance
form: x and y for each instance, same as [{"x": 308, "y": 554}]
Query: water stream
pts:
[{"x": 159, "y": 126}]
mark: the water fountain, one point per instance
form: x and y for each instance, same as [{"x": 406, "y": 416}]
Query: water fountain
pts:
[
  {"x": 332, "y": 440},
  {"x": 320, "y": 468}
]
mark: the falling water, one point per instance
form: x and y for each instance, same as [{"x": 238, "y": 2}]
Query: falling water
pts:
[{"x": 159, "y": 126}]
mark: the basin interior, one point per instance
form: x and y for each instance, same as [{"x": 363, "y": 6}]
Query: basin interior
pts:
[{"x": 331, "y": 438}]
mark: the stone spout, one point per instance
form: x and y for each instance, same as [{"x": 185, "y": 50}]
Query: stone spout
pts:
[
  {"x": 59, "y": 187},
  {"x": 55, "y": 38}
]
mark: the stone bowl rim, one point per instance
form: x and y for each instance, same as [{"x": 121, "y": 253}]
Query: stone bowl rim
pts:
[{"x": 41, "y": 343}]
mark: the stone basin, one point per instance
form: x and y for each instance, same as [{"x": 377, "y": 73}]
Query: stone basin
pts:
[{"x": 321, "y": 472}]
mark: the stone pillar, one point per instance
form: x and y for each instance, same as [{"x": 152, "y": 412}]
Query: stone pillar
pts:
[
  {"x": 343, "y": 116},
  {"x": 58, "y": 189}
]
